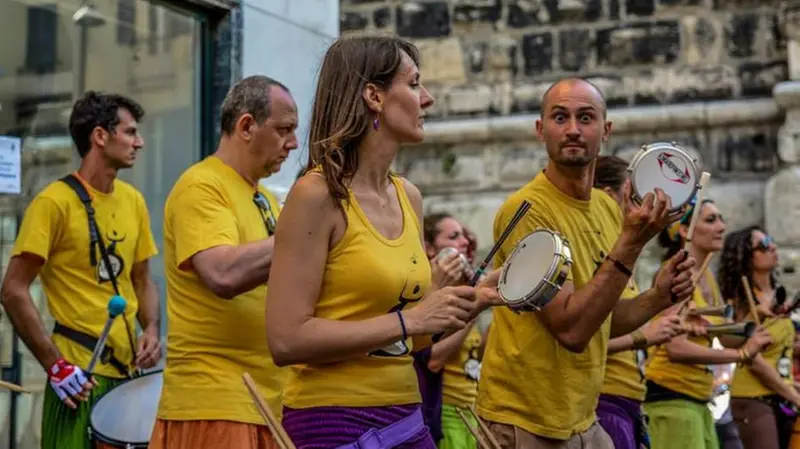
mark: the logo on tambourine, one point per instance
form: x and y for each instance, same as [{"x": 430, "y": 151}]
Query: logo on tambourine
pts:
[{"x": 673, "y": 168}]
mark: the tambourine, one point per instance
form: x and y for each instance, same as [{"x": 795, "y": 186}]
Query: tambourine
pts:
[
  {"x": 667, "y": 166},
  {"x": 447, "y": 251},
  {"x": 535, "y": 271}
]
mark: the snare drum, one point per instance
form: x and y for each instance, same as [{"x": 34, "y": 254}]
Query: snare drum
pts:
[
  {"x": 125, "y": 416},
  {"x": 535, "y": 270},
  {"x": 667, "y": 166}
]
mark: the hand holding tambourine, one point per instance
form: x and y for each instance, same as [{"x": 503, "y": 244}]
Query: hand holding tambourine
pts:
[{"x": 644, "y": 221}]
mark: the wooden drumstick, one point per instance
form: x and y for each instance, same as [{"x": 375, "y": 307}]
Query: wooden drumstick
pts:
[
  {"x": 702, "y": 270},
  {"x": 272, "y": 422},
  {"x": 750, "y": 300},
  {"x": 495, "y": 443},
  {"x": 473, "y": 430},
  {"x": 13, "y": 387},
  {"x": 697, "y": 206}
]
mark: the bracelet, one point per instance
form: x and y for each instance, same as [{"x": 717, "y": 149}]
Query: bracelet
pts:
[
  {"x": 744, "y": 356},
  {"x": 402, "y": 324},
  {"x": 639, "y": 340},
  {"x": 620, "y": 266}
]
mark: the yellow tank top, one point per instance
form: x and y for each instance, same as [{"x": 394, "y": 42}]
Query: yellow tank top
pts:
[
  {"x": 461, "y": 373},
  {"x": 623, "y": 376},
  {"x": 696, "y": 381},
  {"x": 778, "y": 355},
  {"x": 367, "y": 275}
]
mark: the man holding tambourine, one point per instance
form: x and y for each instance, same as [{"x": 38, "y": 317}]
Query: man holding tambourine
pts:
[{"x": 594, "y": 248}]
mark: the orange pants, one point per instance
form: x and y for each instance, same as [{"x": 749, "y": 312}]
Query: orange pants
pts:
[
  {"x": 210, "y": 435},
  {"x": 794, "y": 443}
]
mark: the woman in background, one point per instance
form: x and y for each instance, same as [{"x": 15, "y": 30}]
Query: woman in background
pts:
[
  {"x": 762, "y": 391},
  {"x": 449, "y": 370},
  {"x": 679, "y": 381}
]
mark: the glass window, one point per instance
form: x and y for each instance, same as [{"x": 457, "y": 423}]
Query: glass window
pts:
[{"x": 52, "y": 51}]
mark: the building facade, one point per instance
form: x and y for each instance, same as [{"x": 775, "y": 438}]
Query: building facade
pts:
[
  {"x": 717, "y": 76},
  {"x": 177, "y": 58}
]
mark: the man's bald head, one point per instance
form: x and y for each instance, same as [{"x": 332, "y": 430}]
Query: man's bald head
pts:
[{"x": 567, "y": 83}]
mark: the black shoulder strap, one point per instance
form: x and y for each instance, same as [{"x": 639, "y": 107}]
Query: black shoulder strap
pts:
[{"x": 95, "y": 238}]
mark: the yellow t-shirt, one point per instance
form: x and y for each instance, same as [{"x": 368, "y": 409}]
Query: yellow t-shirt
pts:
[
  {"x": 696, "y": 381},
  {"x": 367, "y": 275},
  {"x": 778, "y": 355},
  {"x": 212, "y": 341},
  {"x": 528, "y": 379},
  {"x": 56, "y": 228},
  {"x": 623, "y": 376},
  {"x": 461, "y": 373}
]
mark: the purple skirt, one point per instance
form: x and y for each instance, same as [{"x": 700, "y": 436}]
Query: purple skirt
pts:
[
  {"x": 621, "y": 419},
  {"x": 331, "y": 427}
]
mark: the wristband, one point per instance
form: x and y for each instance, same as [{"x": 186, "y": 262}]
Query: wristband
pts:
[
  {"x": 639, "y": 340},
  {"x": 402, "y": 324},
  {"x": 620, "y": 266}
]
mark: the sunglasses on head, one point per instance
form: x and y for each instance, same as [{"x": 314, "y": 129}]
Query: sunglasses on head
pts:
[
  {"x": 267, "y": 216},
  {"x": 764, "y": 244}
]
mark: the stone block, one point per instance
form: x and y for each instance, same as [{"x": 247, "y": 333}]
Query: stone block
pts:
[
  {"x": 527, "y": 97},
  {"x": 358, "y": 2},
  {"x": 704, "y": 42},
  {"x": 734, "y": 5},
  {"x": 574, "y": 49},
  {"x": 442, "y": 60},
  {"x": 459, "y": 167},
  {"x": 741, "y": 34},
  {"x": 639, "y": 43},
  {"x": 613, "y": 9},
  {"x": 527, "y": 13},
  {"x": 467, "y": 100},
  {"x": 493, "y": 59},
  {"x": 613, "y": 89},
  {"x": 353, "y": 21},
  {"x": 782, "y": 206},
  {"x": 639, "y": 7},
  {"x": 520, "y": 162},
  {"x": 670, "y": 3},
  {"x": 758, "y": 79},
  {"x": 649, "y": 86},
  {"x": 703, "y": 83},
  {"x": 741, "y": 202},
  {"x": 524, "y": 14},
  {"x": 537, "y": 53},
  {"x": 746, "y": 151},
  {"x": 382, "y": 17},
  {"x": 423, "y": 19},
  {"x": 477, "y": 214},
  {"x": 789, "y": 268},
  {"x": 478, "y": 14}
]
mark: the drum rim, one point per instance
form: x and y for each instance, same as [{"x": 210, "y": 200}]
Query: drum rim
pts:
[
  {"x": 109, "y": 440},
  {"x": 536, "y": 291},
  {"x": 673, "y": 146}
]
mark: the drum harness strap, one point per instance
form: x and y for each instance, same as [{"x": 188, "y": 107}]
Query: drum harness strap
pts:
[{"x": 96, "y": 240}]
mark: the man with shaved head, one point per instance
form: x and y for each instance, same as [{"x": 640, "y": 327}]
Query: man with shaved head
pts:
[{"x": 542, "y": 371}]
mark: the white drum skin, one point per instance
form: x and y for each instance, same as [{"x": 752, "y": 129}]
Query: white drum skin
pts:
[{"x": 667, "y": 166}]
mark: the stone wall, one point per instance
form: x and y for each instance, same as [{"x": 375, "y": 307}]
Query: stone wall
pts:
[{"x": 698, "y": 72}]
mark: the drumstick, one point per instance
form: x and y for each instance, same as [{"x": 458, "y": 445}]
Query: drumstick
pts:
[
  {"x": 697, "y": 206},
  {"x": 13, "y": 387},
  {"x": 702, "y": 268},
  {"x": 750, "y": 300},
  {"x": 485, "y": 429},
  {"x": 473, "y": 430},
  {"x": 523, "y": 209},
  {"x": 274, "y": 425}
]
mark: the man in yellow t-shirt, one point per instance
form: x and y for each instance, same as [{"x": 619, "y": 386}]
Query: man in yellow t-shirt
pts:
[
  {"x": 218, "y": 239},
  {"x": 55, "y": 244},
  {"x": 542, "y": 371}
]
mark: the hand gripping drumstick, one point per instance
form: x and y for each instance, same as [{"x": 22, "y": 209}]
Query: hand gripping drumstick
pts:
[
  {"x": 750, "y": 300},
  {"x": 523, "y": 209},
  {"x": 697, "y": 206},
  {"x": 12, "y": 387},
  {"x": 275, "y": 427}
]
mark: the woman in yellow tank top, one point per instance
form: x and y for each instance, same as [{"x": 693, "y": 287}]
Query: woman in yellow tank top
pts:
[
  {"x": 449, "y": 370},
  {"x": 349, "y": 296},
  {"x": 762, "y": 392},
  {"x": 679, "y": 380}
]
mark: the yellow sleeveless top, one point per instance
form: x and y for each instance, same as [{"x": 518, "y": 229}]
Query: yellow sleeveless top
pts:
[
  {"x": 462, "y": 371},
  {"x": 367, "y": 275},
  {"x": 623, "y": 376},
  {"x": 779, "y": 355},
  {"x": 696, "y": 381}
]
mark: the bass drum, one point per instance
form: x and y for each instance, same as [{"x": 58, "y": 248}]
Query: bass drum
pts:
[{"x": 125, "y": 416}]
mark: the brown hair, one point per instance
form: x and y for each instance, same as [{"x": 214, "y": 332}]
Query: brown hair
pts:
[
  {"x": 610, "y": 171},
  {"x": 340, "y": 117}
]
